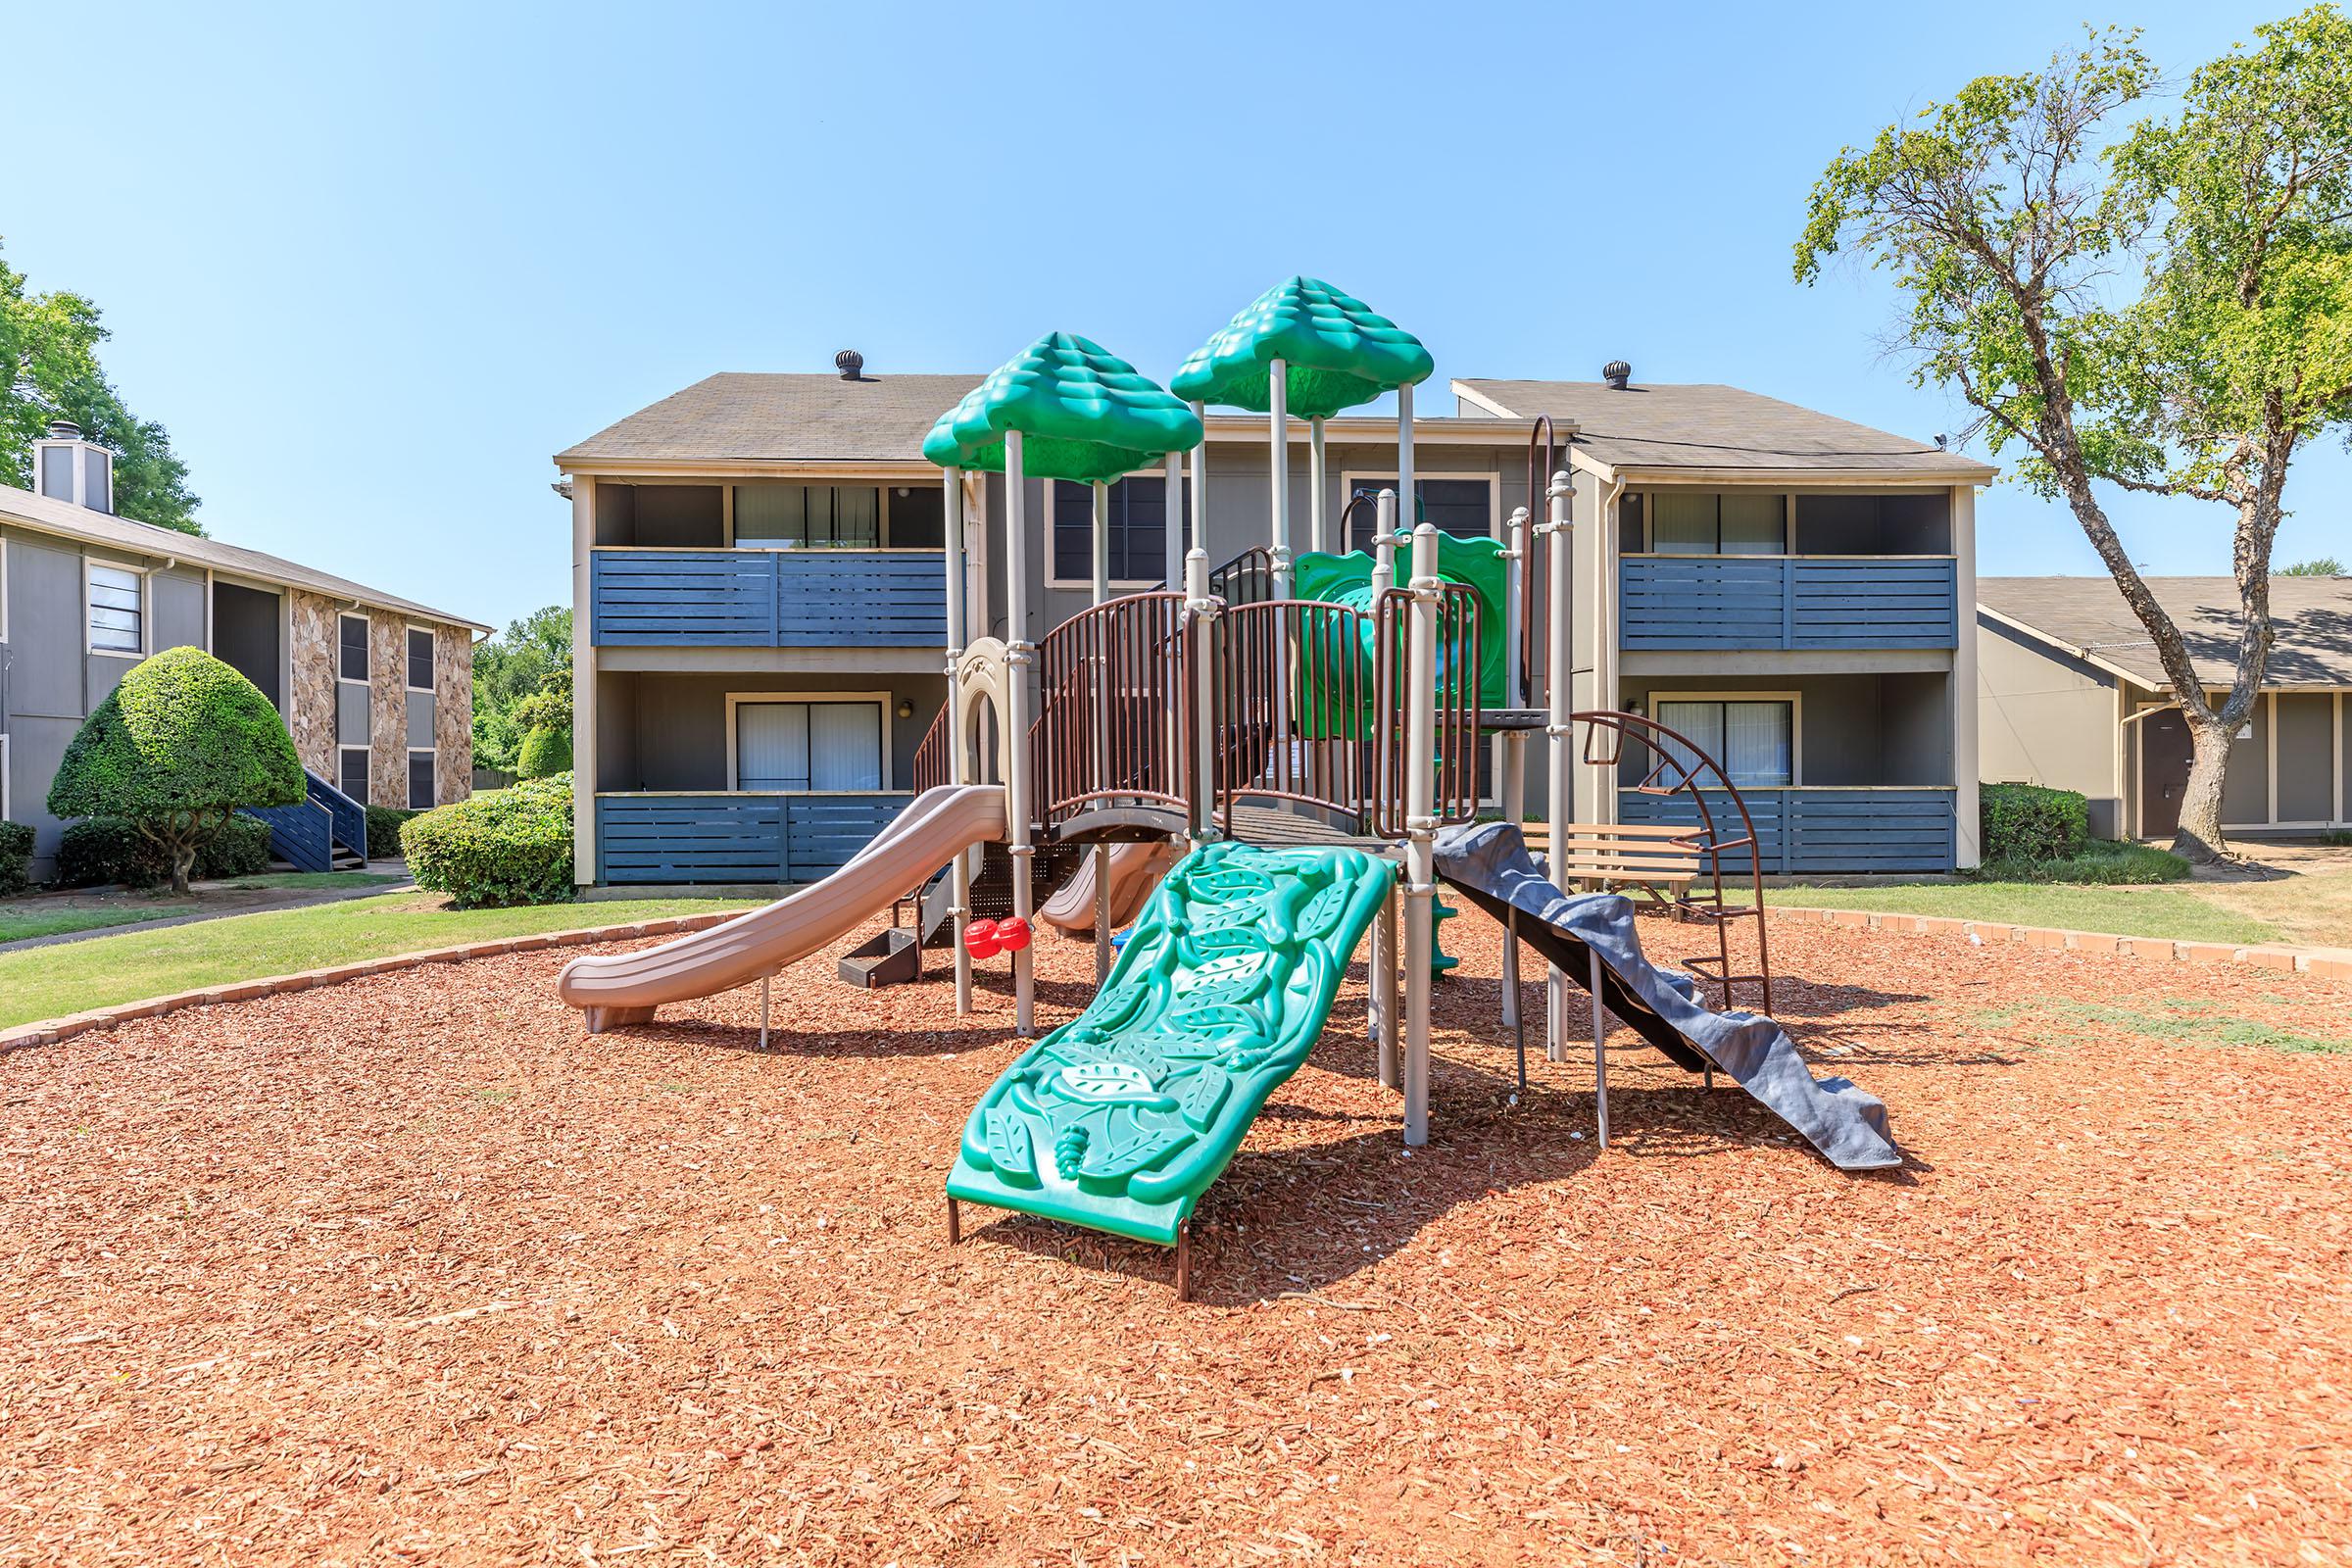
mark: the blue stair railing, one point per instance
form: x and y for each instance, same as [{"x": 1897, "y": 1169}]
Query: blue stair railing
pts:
[{"x": 305, "y": 836}]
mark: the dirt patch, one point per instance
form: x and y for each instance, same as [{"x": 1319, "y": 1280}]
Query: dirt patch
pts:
[{"x": 413, "y": 1269}]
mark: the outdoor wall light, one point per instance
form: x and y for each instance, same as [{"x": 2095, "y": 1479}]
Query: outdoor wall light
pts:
[{"x": 906, "y": 709}]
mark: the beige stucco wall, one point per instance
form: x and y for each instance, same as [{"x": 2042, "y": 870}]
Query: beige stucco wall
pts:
[
  {"x": 311, "y": 697},
  {"x": 453, "y": 713},
  {"x": 2045, "y": 718}
]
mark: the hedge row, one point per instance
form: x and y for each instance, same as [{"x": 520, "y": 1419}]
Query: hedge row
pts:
[
  {"x": 101, "y": 849},
  {"x": 2027, "y": 822}
]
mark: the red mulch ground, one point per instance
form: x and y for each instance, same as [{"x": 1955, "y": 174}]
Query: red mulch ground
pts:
[{"x": 413, "y": 1270}]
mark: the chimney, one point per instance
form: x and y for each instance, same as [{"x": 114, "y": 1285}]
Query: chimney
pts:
[
  {"x": 67, "y": 467},
  {"x": 850, "y": 363},
  {"x": 1617, "y": 373}
]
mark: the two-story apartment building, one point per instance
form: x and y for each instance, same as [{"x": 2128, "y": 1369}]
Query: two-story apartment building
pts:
[
  {"x": 758, "y": 570},
  {"x": 377, "y": 690}
]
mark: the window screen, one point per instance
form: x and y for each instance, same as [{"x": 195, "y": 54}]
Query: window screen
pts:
[
  {"x": 352, "y": 648},
  {"x": 821, "y": 516},
  {"x": 1463, "y": 508},
  {"x": 1139, "y": 531},
  {"x": 420, "y": 660},
  {"x": 809, "y": 746},
  {"x": 420, "y": 781},
  {"x": 1730, "y": 522},
  {"x": 1752, "y": 741},
  {"x": 351, "y": 769},
  {"x": 117, "y": 609}
]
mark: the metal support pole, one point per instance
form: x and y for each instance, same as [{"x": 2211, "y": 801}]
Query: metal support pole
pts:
[
  {"x": 1514, "y": 766},
  {"x": 1420, "y": 826},
  {"x": 1200, "y": 817},
  {"x": 1102, "y": 540},
  {"x": 1384, "y": 989},
  {"x": 1318, "y": 477},
  {"x": 1171, "y": 575},
  {"x": 1020, "y": 654},
  {"x": 1278, "y": 429},
  {"x": 1559, "y": 672},
  {"x": 1101, "y": 735},
  {"x": 764, "y": 980},
  {"x": 960, "y": 871},
  {"x": 1601, "y": 1056}
]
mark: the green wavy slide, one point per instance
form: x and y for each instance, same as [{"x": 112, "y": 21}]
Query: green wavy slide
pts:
[{"x": 1121, "y": 1118}]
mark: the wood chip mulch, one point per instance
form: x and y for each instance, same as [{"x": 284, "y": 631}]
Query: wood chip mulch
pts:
[{"x": 412, "y": 1270}]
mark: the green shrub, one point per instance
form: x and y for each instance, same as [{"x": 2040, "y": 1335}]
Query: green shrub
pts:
[
  {"x": 546, "y": 751},
  {"x": 2027, "y": 822},
  {"x": 504, "y": 847},
  {"x": 180, "y": 742},
  {"x": 16, "y": 859},
  {"x": 101, "y": 849},
  {"x": 383, "y": 829}
]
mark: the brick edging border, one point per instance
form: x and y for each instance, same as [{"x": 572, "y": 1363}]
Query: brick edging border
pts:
[
  {"x": 49, "y": 1031},
  {"x": 2163, "y": 950}
]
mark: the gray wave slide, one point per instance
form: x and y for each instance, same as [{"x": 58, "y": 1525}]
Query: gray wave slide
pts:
[{"x": 1490, "y": 863}]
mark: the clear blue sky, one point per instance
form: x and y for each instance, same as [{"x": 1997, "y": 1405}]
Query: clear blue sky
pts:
[{"x": 373, "y": 265}]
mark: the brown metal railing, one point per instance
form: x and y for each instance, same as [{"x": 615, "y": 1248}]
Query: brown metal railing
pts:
[
  {"x": 1295, "y": 715},
  {"x": 1115, "y": 723},
  {"x": 930, "y": 767},
  {"x": 1542, "y": 454},
  {"x": 1455, "y": 796},
  {"x": 1247, "y": 580}
]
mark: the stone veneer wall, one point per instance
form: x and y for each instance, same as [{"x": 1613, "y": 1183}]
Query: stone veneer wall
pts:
[
  {"x": 387, "y": 710},
  {"x": 453, "y": 713},
  {"x": 311, "y": 704}
]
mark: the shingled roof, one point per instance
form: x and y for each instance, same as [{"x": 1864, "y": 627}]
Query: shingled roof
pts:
[
  {"x": 2311, "y": 618},
  {"x": 781, "y": 419},
  {"x": 1699, "y": 427}
]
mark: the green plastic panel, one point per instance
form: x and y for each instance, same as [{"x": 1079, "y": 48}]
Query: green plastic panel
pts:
[
  {"x": 1084, "y": 413},
  {"x": 1475, "y": 563},
  {"x": 1336, "y": 352},
  {"x": 1121, "y": 1118}
]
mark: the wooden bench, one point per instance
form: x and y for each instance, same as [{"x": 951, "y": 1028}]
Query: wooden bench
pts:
[{"x": 1656, "y": 855}]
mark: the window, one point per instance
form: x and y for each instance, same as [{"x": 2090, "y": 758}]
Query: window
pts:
[
  {"x": 1730, "y": 522},
  {"x": 1139, "y": 531},
  {"x": 809, "y": 745},
  {"x": 118, "y": 610},
  {"x": 350, "y": 652},
  {"x": 1754, "y": 742},
  {"x": 420, "y": 781},
  {"x": 1463, "y": 508},
  {"x": 819, "y": 516},
  {"x": 351, "y": 771},
  {"x": 420, "y": 661}
]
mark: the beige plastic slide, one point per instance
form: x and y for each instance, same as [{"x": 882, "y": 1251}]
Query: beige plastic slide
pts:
[
  {"x": 937, "y": 826},
  {"x": 1135, "y": 870}
]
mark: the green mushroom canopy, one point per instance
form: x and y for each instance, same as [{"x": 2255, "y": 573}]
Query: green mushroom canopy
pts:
[
  {"x": 1081, "y": 411},
  {"x": 1336, "y": 352}
]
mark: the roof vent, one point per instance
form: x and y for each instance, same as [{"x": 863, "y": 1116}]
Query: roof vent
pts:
[
  {"x": 1617, "y": 373},
  {"x": 848, "y": 361},
  {"x": 64, "y": 430},
  {"x": 68, "y": 467}
]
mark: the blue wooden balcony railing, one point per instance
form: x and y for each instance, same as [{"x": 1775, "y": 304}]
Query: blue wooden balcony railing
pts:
[
  {"x": 1803, "y": 831},
  {"x": 1789, "y": 602},
  {"x": 723, "y": 837},
  {"x": 767, "y": 598}
]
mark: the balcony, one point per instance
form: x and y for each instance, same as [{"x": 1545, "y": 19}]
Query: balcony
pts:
[
  {"x": 1813, "y": 830},
  {"x": 1789, "y": 602},
  {"x": 767, "y": 598},
  {"x": 725, "y": 836}
]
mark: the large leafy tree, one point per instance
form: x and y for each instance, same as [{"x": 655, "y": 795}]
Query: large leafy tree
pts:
[
  {"x": 49, "y": 371},
  {"x": 180, "y": 744},
  {"x": 2164, "y": 307},
  {"x": 511, "y": 667}
]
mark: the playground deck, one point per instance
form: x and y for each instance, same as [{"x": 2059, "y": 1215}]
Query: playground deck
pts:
[{"x": 412, "y": 1268}]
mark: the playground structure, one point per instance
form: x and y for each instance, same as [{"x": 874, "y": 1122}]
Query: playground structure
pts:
[{"x": 1308, "y": 727}]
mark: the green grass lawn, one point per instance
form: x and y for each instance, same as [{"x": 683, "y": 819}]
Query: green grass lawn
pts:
[
  {"x": 48, "y": 982},
  {"x": 18, "y": 921},
  {"x": 314, "y": 879},
  {"x": 2181, "y": 911}
]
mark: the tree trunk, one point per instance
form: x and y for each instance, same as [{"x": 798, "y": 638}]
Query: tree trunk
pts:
[
  {"x": 2199, "y": 835},
  {"x": 183, "y": 861}
]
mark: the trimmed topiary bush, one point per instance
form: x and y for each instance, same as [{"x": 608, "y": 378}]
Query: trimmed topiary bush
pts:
[
  {"x": 16, "y": 859},
  {"x": 2027, "y": 822},
  {"x": 383, "y": 829},
  {"x": 502, "y": 847},
  {"x": 546, "y": 751},
  {"x": 176, "y": 746}
]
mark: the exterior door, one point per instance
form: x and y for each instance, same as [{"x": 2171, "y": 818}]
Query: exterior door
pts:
[{"x": 2164, "y": 752}]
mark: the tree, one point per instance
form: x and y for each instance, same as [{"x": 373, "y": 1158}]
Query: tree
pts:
[
  {"x": 2017, "y": 234},
  {"x": 509, "y": 668},
  {"x": 2319, "y": 566},
  {"x": 175, "y": 748},
  {"x": 49, "y": 371}
]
